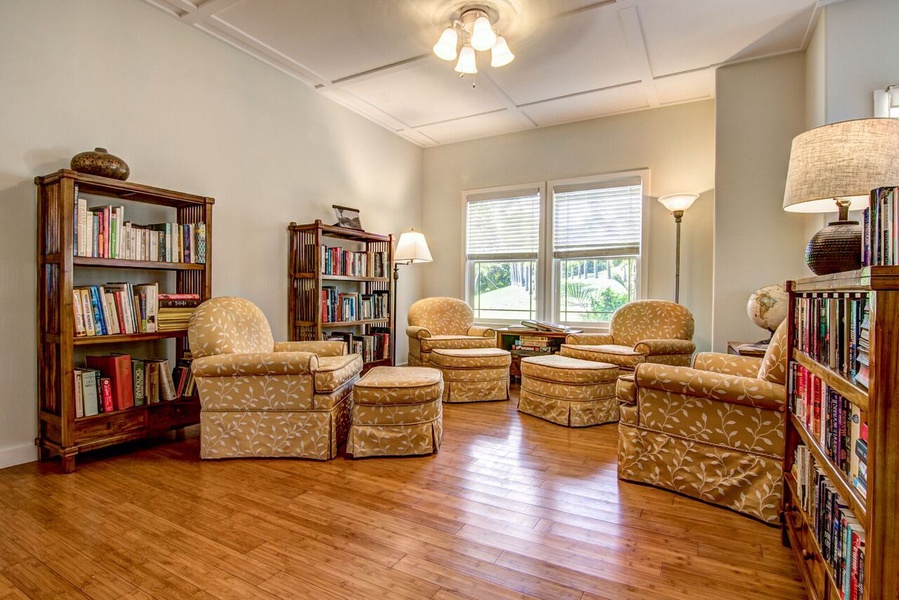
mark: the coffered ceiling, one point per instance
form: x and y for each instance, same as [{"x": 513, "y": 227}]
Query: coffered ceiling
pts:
[{"x": 575, "y": 59}]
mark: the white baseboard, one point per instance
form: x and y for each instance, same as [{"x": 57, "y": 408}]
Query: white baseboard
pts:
[{"x": 17, "y": 455}]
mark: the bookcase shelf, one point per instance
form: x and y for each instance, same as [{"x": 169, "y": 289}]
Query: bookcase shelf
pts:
[
  {"x": 320, "y": 256},
  {"x": 877, "y": 407},
  {"x": 60, "y": 432}
]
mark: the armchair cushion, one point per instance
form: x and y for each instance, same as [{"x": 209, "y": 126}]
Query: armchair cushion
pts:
[
  {"x": 623, "y": 356},
  {"x": 334, "y": 371},
  {"x": 255, "y": 364},
  {"x": 321, "y": 348},
  {"x": 229, "y": 326},
  {"x": 447, "y": 342},
  {"x": 442, "y": 315}
]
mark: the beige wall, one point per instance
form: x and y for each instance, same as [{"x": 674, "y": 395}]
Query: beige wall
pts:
[
  {"x": 187, "y": 112},
  {"x": 761, "y": 107},
  {"x": 675, "y": 143}
]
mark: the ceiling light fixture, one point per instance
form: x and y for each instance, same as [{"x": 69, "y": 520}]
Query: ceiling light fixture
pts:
[{"x": 473, "y": 28}]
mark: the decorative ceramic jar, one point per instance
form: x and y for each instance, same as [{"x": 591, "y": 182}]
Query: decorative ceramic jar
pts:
[{"x": 100, "y": 162}]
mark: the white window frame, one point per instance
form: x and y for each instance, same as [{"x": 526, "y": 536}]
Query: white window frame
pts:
[
  {"x": 547, "y": 277},
  {"x": 552, "y": 273}
]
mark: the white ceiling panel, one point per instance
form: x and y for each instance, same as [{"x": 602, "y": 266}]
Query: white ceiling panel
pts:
[
  {"x": 588, "y": 106},
  {"x": 575, "y": 59},
  {"x": 682, "y": 35},
  {"x": 427, "y": 93},
  {"x": 686, "y": 87},
  {"x": 576, "y": 53},
  {"x": 459, "y": 130},
  {"x": 333, "y": 38}
]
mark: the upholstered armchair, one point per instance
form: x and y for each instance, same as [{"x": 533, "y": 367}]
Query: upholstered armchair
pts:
[
  {"x": 713, "y": 431},
  {"x": 654, "y": 331},
  {"x": 442, "y": 322},
  {"x": 261, "y": 398}
]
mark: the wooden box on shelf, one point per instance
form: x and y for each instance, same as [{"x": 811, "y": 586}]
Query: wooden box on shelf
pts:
[
  {"x": 75, "y": 255},
  {"x": 340, "y": 287},
  {"x": 841, "y": 468}
]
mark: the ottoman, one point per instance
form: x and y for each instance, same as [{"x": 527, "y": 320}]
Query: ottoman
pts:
[
  {"x": 568, "y": 391},
  {"x": 473, "y": 374},
  {"x": 397, "y": 411}
]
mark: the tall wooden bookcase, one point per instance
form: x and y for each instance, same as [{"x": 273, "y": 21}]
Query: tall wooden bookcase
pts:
[
  {"x": 60, "y": 433},
  {"x": 319, "y": 261},
  {"x": 877, "y": 510}
]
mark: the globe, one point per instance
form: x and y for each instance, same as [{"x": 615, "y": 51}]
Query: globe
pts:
[{"x": 767, "y": 307}]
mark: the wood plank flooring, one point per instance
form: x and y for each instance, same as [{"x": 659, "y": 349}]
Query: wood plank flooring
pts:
[{"x": 511, "y": 507}]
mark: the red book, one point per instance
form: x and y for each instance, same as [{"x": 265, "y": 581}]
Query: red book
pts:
[
  {"x": 117, "y": 368},
  {"x": 162, "y": 296},
  {"x": 106, "y": 394}
]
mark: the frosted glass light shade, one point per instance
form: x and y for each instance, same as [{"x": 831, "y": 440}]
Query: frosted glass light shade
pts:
[
  {"x": 467, "y": 64},
  {"x": 445, "y": 47},
  {"x": 500, "y": 55},
  {"x": 412, "y": 247},
  {"x": 843, "y": 160},
  {"x": 482, "y": 35},
  {"x": 681, "y": 202}
]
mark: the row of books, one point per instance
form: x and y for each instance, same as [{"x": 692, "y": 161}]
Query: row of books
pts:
[
  {"x": 828, "y": 328},
  {"x": 117, "y": 382},
  {"x": 534, "y": 345},
  {"x": 103, "y": 232},
  {"x": 839, "y": 534},
  {"x": 115, "y": 308},
  {"x": 337, "y": 306},
  {"x": 830, "y": 418},
  {"x": 373, "y": 346},
  {"x": 176, "y": 318},
  {"x": 880, "y": 228},
  {"x": 339, "y": 261}
]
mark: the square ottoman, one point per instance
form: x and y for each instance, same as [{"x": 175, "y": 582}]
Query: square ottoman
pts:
[
  {"x": 397, "y": 411},
  {"x": 473, "y": 374},
  {"x": 568, "y": 391}
]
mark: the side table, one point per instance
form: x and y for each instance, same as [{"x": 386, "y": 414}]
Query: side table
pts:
[{"x": 505, "y": 339}]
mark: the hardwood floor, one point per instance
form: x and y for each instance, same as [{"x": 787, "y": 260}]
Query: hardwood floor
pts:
[{"x": 511, "y": 507}]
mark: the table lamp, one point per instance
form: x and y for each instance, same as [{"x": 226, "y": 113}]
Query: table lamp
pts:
[{"x": 837, "y": 165}]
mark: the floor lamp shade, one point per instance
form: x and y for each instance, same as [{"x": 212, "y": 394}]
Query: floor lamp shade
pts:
[{"x": 835, "y": 167}]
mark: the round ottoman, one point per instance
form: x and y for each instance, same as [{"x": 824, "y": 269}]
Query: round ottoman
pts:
[
  {"x": 397, "y": 411},
  {"x": 568, "y": 391},
  {"x": 473, "y": 374}
]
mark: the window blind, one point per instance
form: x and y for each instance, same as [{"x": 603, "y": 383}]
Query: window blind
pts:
[
  {"x": 503, "y": 226},
  {"x": 597, "y": 219}
]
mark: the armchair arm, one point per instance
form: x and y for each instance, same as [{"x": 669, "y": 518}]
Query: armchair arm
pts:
[
  {"x": 674, "y": 346},
  {"x": 255, "y": 363},
  {"x": 322, "y": 348},
  {"x": 418, "y": 332},
  {"x": 479, "y": 331},
  {"x": 747, "y": 391},
  {"x": 729, "y": 364},
  {"x": 592, "y": 339}
]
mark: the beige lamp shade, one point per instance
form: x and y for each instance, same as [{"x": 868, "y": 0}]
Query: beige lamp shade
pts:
[
  {"x": 843, "y": 160},
  {"x": 412, "y": 247},
  {"x": 676, "y": 202}
]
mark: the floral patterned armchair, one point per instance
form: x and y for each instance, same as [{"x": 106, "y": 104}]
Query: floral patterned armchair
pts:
[
  {"x": 655, "y": 331},
  {"x": 261, "y": 398},
  {"x": 442, "y": 322},
  {"x": 713, "y": 432}
]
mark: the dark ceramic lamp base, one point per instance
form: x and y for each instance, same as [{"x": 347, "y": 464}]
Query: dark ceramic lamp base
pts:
[{"x": 836, "y": 248}]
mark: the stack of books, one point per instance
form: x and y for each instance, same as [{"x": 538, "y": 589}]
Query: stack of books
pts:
[{"x": 175, "y": 310}]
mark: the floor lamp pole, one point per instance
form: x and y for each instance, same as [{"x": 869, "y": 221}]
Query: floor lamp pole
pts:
[
  {"x": 396, "y": 279},
  {"x": 678, "y": 215}
]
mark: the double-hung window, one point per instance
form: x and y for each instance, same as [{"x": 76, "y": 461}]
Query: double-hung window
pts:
[
  {"x": 502, "y": 245},
  {"x": 571, "y": 255}
]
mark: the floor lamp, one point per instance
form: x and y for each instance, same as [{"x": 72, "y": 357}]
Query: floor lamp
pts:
[
  {"x": 677, "y": 204},
  {"x": 412, "y": 247}
]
